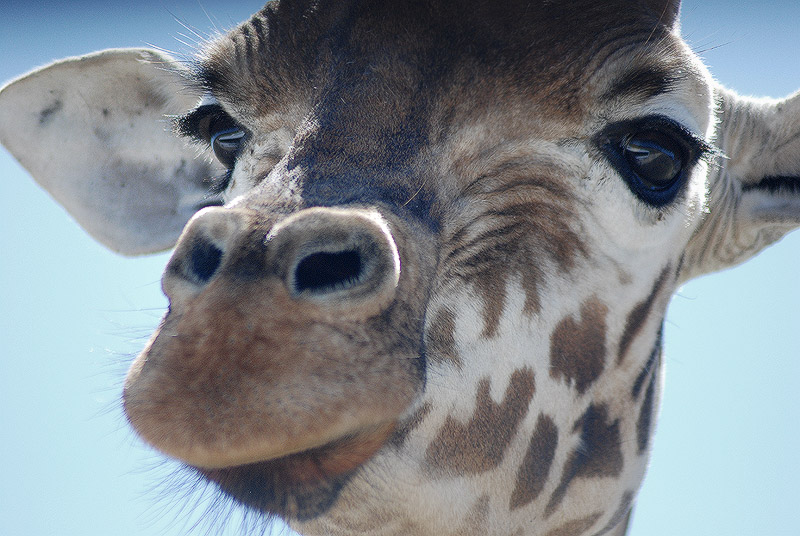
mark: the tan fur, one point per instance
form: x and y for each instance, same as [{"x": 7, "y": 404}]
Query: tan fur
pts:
[{"x": 432, "y": 303}]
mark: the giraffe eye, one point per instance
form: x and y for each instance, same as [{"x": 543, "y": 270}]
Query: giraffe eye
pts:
[
  {"x": 226, "y": 145},
  {"x": 226, "y": 138},
  {"x": 653, "y": 155},
  {"x": 655, "y": 158},
  {"x": 210, "y": 123}
]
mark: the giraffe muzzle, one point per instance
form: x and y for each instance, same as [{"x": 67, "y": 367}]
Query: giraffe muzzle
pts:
[{"x": 252, "y": 370}]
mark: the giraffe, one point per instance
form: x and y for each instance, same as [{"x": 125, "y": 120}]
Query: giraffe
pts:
[{"x": 592, "y": 318}]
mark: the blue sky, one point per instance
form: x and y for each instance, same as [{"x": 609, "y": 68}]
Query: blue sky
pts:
[{"x": 72, "y": 316}]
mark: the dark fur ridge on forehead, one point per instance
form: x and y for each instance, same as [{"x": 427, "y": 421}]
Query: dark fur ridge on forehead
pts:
[
  {"x": 291, "y": 49},
  {"x": 378, "y": 83}
]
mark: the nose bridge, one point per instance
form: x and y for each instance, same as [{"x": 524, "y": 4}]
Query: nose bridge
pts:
[{"x": 333, "y": 256}]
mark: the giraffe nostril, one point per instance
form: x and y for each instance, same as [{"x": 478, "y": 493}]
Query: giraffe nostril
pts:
[
  {"x": 204, "y": 260},
  {"x": 341, "y": 258},
  {"x": 202, "y": 252},
  {"x": 325, "y": 272}
]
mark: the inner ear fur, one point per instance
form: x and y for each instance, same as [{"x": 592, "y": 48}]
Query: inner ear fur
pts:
[
  {"x": 94, "y": 132},
  {"x": 753, "y": 187}
]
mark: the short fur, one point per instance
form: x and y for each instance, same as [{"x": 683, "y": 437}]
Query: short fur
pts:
[{"x": 432, "y": 302}]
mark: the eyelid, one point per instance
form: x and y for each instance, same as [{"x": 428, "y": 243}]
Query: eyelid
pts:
[
  {"x": 196, "y": 123},
  {"x": 699, "y": 147}
]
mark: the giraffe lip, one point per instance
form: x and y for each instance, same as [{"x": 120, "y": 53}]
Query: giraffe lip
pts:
[{"x": 302, "y": 484}]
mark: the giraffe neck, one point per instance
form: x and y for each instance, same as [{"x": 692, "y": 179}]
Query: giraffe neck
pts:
[{"x": 555, "y": 436}]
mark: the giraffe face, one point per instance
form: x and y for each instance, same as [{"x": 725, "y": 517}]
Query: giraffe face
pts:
[
  {"x": 431, "y": 299},
  {"x": 536, "y": 181}
]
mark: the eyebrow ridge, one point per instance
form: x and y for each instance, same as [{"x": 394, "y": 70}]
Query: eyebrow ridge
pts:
[
  {"x": 644, "y": 83},
  {"x": 189, "y": 124}
]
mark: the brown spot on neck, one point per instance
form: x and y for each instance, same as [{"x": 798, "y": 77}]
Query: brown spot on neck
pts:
[
  {"x": 578, "y": 348},
  {"x": 575, "y": 527},
  {"x": 535, "y": 468},
  {"x": 639, "y": 315},
  {"x": 597, "y": 455},
  {"x": 652, "y": 362},
  {"x": 480, "y": 444},
  {"x": 440, "y": 339},
  {"x": 645, "y": 421}
]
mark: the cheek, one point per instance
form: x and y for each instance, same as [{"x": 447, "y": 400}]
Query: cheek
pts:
[{"x": 623, "y": 227}]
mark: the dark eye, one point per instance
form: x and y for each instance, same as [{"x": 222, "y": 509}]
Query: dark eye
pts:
[
  {"x": 226, "y": 145},
  {"x": 655, "y": 158},
  {"x": 226, "y": 139},
  {"x": 653, "y": 155}
]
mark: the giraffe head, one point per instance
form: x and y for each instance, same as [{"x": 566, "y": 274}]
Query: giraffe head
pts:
[{"x": 426, "y": 292}]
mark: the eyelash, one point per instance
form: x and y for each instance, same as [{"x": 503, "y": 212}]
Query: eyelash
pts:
[
  {"x": 624, "y": 142},
  {"x": 209, "y": 124}
]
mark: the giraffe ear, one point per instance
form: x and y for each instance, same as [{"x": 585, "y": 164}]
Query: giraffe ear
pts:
[
  {"x": 754, "y": 190},
  {"x": 92, "y": 131}
]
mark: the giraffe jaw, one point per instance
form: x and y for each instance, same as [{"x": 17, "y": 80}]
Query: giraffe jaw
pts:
[{"x": 304, "y": 484}]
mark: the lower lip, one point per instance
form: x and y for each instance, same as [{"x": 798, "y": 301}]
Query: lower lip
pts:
[{"x": 262, "y": 485}]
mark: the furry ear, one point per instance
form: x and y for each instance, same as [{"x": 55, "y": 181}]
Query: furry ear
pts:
[
  {"x": 93, "y": 132},
  {"x": 754, "y": 192}
]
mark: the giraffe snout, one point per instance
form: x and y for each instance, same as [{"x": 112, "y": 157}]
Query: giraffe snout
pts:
[
  {"x": 281, "y": 338},
  {"x": 330, "y": 257}
]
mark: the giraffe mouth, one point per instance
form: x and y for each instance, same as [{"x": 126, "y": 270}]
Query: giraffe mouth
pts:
[{"x": 302, "y": 485}]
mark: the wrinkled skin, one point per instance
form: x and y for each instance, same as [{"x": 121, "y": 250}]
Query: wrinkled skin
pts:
[{"x": 293, "y": 397}]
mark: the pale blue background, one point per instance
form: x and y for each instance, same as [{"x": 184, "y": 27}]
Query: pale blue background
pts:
[{"x": 72, "y": 315}]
